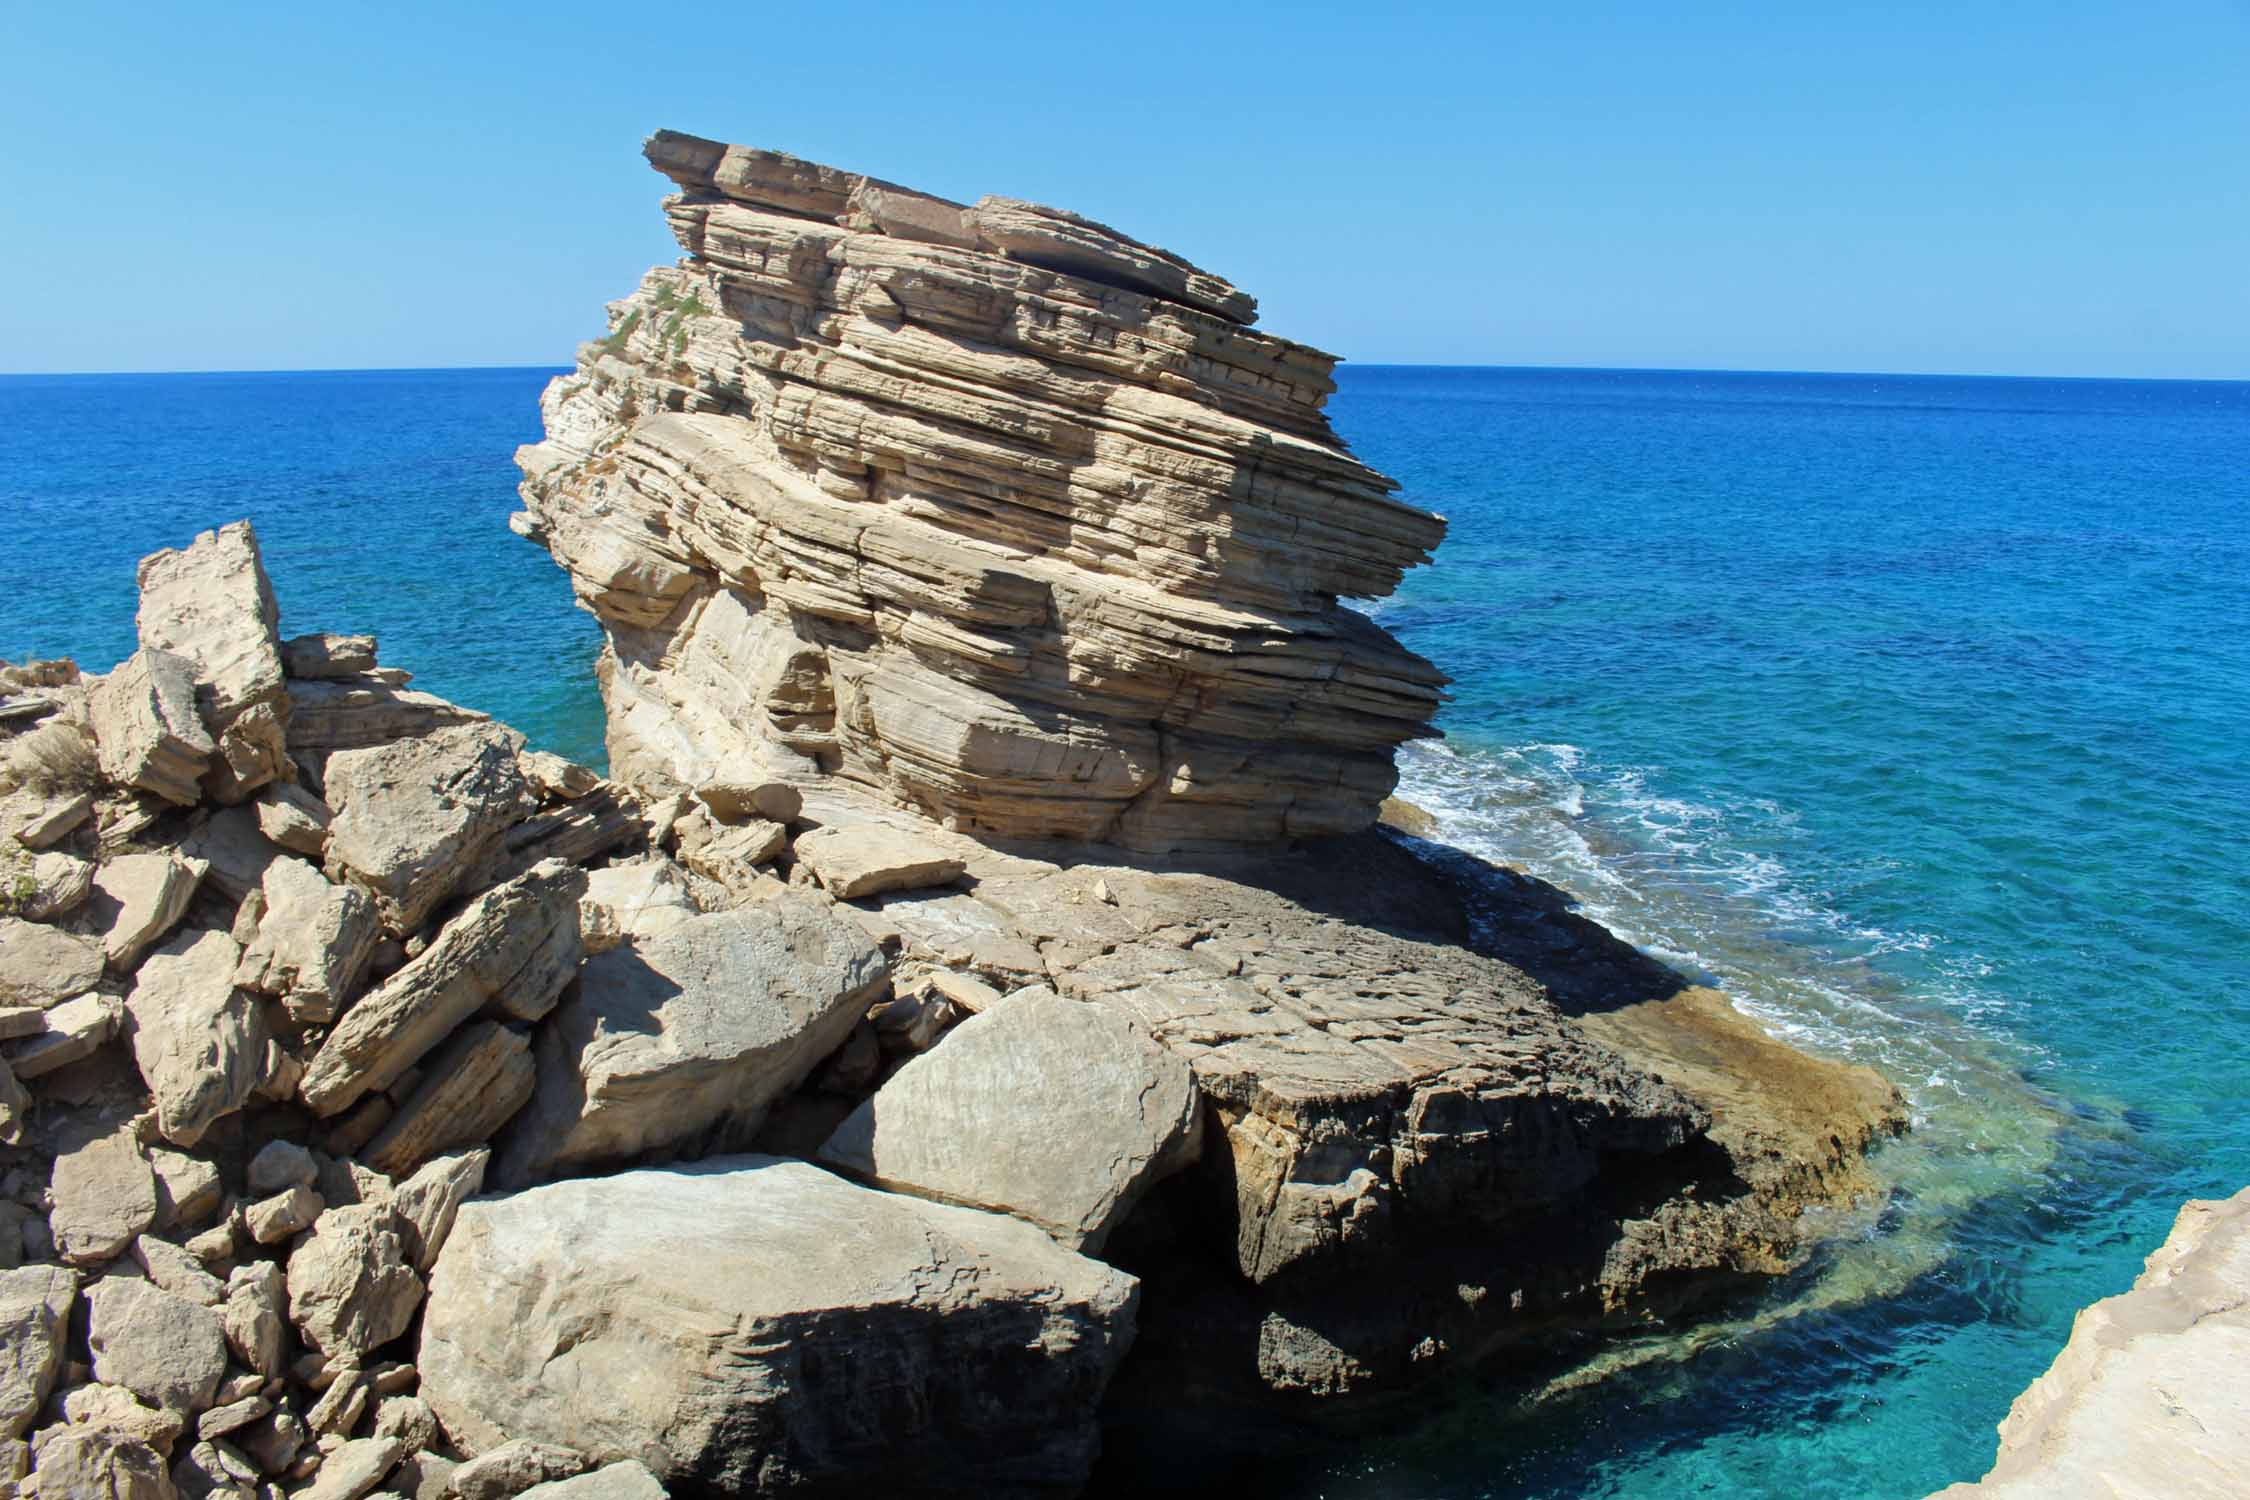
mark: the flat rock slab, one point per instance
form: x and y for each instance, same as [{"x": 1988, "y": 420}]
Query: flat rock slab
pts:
[
  {"x": 35, "y": 1303},
  {"x": 751, "y": 1325},
  {"x": 702, "y": 1026},
  {"x": 411, "y": 818},
  {"x": 211, "y": 604},
  {"x": 199, "y": 1041},
  {"x": 867, "y": 859},
  {"x": 1056, "y": 1111},
  {"x": 44, "y": 966}
]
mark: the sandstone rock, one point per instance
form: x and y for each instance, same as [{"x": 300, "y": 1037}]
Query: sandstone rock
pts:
[
  {"x": 187, "y": 1189},
  {"x": 118, "y": 1409},
  {"x": 733, "y": 802},
  {"x": 273, "y": 1443},
  {"x": 166, "y": 1350},
  {"x": 512, "y": 949},
  {"x": 75, "y": 1030},
  {"x": 140, "y": 897},
  {"x": 357, "y": 712},
  {"x": 552, "y": 776},
  {"x": 170, "y": 1268},
  {"x": 427, "y": 1202},
  {"x": 255, "y": 1316},
  {"x": 990, "y": 508},
  {"x": 313, "y": 942},
  {"x": 425, "y": 1476},
  {"x": 44, "y": 966},
  {"x": 46, "y": 820},
  {"x": 234, "y": 848},
  {"x": 411, "y": 817},
  {"x": 281, "y": 1164},
  {"x": 2146, "y": 1398},
  {"x": 212, "y": 605},
  {"x": 213, "y": 1467},
  {"x": 272, "y": 1220},
  {"x": 692, "y": 1031},
  {"x": 46, "y": 887},
  {"x": 512, "y": 1468},
  {"x": 104, "y": 1195},
  {"x": 1053, "y": 1110},
  {"x": 341, "y": 1404},
  {"x": 293, "y": 818},
  {"x": 35, "y": 1304},
  {"x": 199, "y": 1041},
  {"x": 472, "y": 1086},
  {"x": 326, "y": 654},
  {"x": 639, "y": 900},
  {"x": 868, "y": 860},
  {"x": 409, "y": 1419},
  {"x": 974, "y": 1346},
  {"x": 80, "y": 1462},
  {"x": 573, "y": 832},
  {"x": 624, "y": 1480},
  {"x": 965, "y": 992},
  {"x": 730, "y": 856},
  {"x": 147, "y": 728},
  {"x": 351, "y": 1289},
  {"x": 354, "y": 1469}
]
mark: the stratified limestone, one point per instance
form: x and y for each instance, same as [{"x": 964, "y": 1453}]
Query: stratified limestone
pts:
[
  {"x": 689, "y": 1032},
  {"x": 357, "y": 711},
  {"x": 104, "y": 1195},
  {"x": 413, "y": 817},
  {"x": 755, "y": 1326},
  {"x": 212, "y": 605},
  {"x": 1053, "y": 1110},
  {"x": 326, "y": 654},
  {"x": 148, "y": 730},
  {"x": 867, "y": 859},
  {"x": 35, "y": 1303},
  {"x": 138, "y": 898},
  {"x": 2147, "y": 1398},
  {"x": 471, "y": 1088},
  {"x": 200, "y": 1042},
  {"x": 988, "y": 507},
  {"x": 312, "y": 943},
  {"x": 44, "y": 966}
]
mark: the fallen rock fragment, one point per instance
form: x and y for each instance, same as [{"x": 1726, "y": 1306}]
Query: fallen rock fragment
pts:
[
  {"x": 867, "y": 859},
  {"x": 170, "y": 1268},
  {"x": 44, "y": 966},
  {"x": 138, "y": 898},
  {"x": 413, "y": 816},
  {"x": 1056, "y": 1111},
  {"x": 147, "y": 728},
  {"x": 74, "y": 1030},
  {"x": 100, "y": 1463},
  {"x": 166, "y": 1350},
  {"x": 327, "y": 654},
  {"x": 104, "y": 1195},
  {"x": 354, "y": 1469},
  {"x": 293, "y": 818},
  {"x": 272, "y": 1220},
  {"x": 583, "y": 1314},
  {"x": 199, "y": 1041},
  {"x": 351, "y": 1289},
  {"x": 212, "y": 605},
  {"x": 427, "y": 1202},
  {"x": 473, "y": 1085},
  {"x": 512, "y": 1468},
  {"x": 255, "y": 1316},
  {"x": 624, "y": 1480},
  {"x": 367, "y": 709},
  {"x": 313, "y": 942},
  {"x": 35, "y": 1303},
  {"x": 637, "y": 900}
]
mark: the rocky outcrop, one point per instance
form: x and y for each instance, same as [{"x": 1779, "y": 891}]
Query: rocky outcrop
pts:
[
  {"x": 2146, "y": 1398},
  {"x": 989, "y": 508},
  {"x": 754, "y": 1325}
]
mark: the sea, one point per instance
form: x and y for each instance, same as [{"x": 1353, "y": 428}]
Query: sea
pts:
[{"x": 1912, "y": 711}]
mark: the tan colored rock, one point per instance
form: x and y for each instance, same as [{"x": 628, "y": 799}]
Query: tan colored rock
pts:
[
  {"x": 623, "y": 1480},
  {"x": 412, "y": 817},
  {"x": 868, "y": 859},
  {"x": 272, "y": 1220},
  {"x": 2147, "y": 1397},
  {"x": 427, "y": 1202},
  {"x": 552, "y": 776},
  {"x": 76, "y": 1460},
  {"x": 75, "y": 1030},
  {"x": 730, "y": 856},
  {"x": 212, "y": 605},
  {"x": 187, "y": 1189},
  {"x": 360, "y": 711},
  {"x": 44, "y": 966},
  {"x": 118, "y": 1409},
  {"x": 1053, "y": 1110},
  {"x": 172, "y": 1269},
  {"x": 35, "y": 1304},
  {"x": 351, "y": 1289},
  {"x": 199, "y": 1041},
  {"x": 583, "y": 1314},
  {"x": 44, "y": 887},
  {"x": 733, "y": 802},
  {"x": 224, "y": 1421},
  {"x": 148, "y": 730},
  {"x": 511, "y": 949},
  {"x": 293, "y": 818},
  {"x": 234, "y": 848},
  {"x": 354, "y": 1470},
  {"x": 42, "y": 822},
  {"x": 573, "y": 832},
  {"x": 255, "y": 1316},
  {"x": 695, "y": 1031},
  {"x": 409, "y": 1419},
  {"x": 166, "y": 1350},
  {"x": 140, "y": 897},
  {"x": 639, "y": 900},
  {"x": 312, "y": 943},
  {"x": 513, "y": 1467},
  {"x": 327, "y": 654},
  {"x": 281, "y": 1164},
  {"x": 104, "y": 1195},
  {"x": 471, "y": 1087}
]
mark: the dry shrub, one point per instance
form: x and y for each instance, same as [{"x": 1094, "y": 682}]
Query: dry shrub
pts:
[{"x": 54, "y": 758}]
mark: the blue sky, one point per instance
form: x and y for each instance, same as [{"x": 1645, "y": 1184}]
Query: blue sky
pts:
[{"x": 1975, "y": 186}]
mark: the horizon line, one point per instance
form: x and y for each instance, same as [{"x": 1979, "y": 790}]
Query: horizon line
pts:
[{"x": 1341, "y": 361}]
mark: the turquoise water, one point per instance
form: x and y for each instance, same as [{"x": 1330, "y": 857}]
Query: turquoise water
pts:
[{"x": 1912, "y": 711}]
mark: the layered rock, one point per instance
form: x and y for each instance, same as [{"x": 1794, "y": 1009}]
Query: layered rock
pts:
[{"x": 988, "y": 507}]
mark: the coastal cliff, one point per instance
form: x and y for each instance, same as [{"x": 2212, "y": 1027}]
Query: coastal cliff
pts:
[{"x": 972, "y": 1032}]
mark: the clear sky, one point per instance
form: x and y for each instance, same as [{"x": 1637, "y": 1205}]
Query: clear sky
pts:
[{"x": 1942, "y": 185}]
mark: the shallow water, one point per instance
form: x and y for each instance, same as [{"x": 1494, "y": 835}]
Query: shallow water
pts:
[{"x": 1911, "y": 711}]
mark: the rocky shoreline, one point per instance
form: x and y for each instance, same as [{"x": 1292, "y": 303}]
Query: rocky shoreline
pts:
[{"x": 976, "y": 1026}]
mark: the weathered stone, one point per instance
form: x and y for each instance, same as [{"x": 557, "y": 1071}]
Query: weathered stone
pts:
[
  {"x": 342, "y": 1403},
  {"x": 166, "y": 1350},
  {"x": 351, "y": 1288},
  {"x": 172, "y": 1269},
  {"x": 42, "y": 822},
  {"x": 272, "y": 1220},
  {"x": 573, "y": 832},
  {"x": 512, "y": 949},
  {"x": 104, "y": 1195},
  {"x": 20, "y": 1021},
  {"x": 730, "y": 856},
  {"x": 359, "y": 711},
  {"x": 44, "y": 887},
  {"x": 965, "y": 992},
  {"x": 355, "y": 1127},
  {"x": 553, "y": 776},
  {"x": 413, "y": 816},
  {"x": 75, "y": 1030},
  {"x": 98, "y": 1463},
  {"x": 118, "y": 1409},
  {"x": 354, "y": 1469},
  {"x": 585, "y": 1313},
  {"x": 230, "y": 843},
  {"x": 427, "y": 1202},
  {"x": 425, "y": 1476},
  {"x": 733, "y": 802},
  {"x": 200, "y": 1042},
  {"x": 313, "y": 942},
  {"x": 221, "y": 1421},
  {"x": 624, "y": 1480},
  {"x": 512, "y": 1468},
  {"x": 35, "y": 1303},
  {"x": 255, "y": 1316},
  {"x": 869, "y": 859},
  {"x": 638, "y": 900},
  {"x": 15, "y": 1109},
  {"x": 44, "y": 966},
  {"x": 281, "y": 1164},
  {"x": 140, "y": 897},
  {"x": 409, "y": 1419},
  {"x": 148, "y": 731},
  {"x": 473, "y": 1085},
  {"x": 273, "y": 1443},
  {"x": 691, "y": 1032},
  {"x": 1053, "y": 1110},
  {"x": 327, "y": 654},
  {"x": 293, "y": 818},
  {"x": 187, "y": 1189},
  {"x": 212, "y": 605}
]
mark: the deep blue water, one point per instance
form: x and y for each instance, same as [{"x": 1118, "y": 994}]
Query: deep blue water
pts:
[{"x": 1911, "y": 710}]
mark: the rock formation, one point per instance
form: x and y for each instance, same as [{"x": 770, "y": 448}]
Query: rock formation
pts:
[
  {"x": 989, "y": 508},
  {"x": 2146, "y": 1398}
]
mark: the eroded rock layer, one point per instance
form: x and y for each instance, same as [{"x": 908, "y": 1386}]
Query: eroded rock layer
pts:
[{"x": 987, "y": 507}]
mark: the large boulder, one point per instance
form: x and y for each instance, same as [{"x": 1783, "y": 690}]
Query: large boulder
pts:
[
  {"x": 313, "y": 942},
  {"x": 147, "y": 730},
  {"x": 693, "y": 1031},
  {"x": 753, "y": 1325},
  {"x": 1057, "y": 1111},
  {"x": 212, "y": 605},
  {"x": 200, "y": 1042},
  {"x": 413, "y": 817},
  {"x": 140, "y": 897}
]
